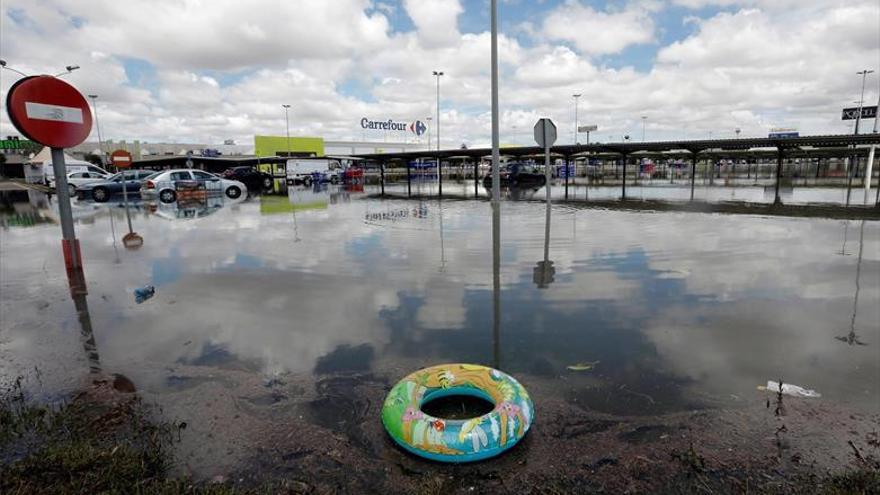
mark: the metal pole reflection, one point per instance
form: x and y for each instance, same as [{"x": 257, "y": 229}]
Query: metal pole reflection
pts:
[
  {"x": 496, "y": 284},
  {"x": 77, "y": 281},
  {"x": 852, "y": 338}
]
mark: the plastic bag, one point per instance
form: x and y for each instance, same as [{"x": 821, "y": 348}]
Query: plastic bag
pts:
[
  {"x": 141, "y": 294},
  {"x": 792, "y": 390}
]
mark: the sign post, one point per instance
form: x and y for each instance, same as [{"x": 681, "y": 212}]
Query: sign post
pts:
[
  {"x": 122, "y": 159},
  {"x": 51, "y": 112},
  {"x": 588, "y": 129},
  {"x": 545, "y": 136}
]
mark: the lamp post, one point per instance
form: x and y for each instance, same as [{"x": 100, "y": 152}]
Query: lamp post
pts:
[
  {"x": 94, "y": 99},
  {"x": 854, "y": 162},
  {"x": 644, "y": 126},
  {"x": 737, "y": 131},
  {"x": 67, "y": 70},
  {"x": 437, "y": 74},
  {"x": 429, "y": 119},
  {"x": 287, "y": 125},
  {"x": 4, "y": 66},
  {"x": 576, "y": 100},
  {"x": 864, "y": 75}
]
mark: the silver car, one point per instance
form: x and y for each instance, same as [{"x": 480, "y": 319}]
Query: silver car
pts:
[{"x": 170, "y": 184}]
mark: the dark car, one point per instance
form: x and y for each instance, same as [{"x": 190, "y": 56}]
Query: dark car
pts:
[
  {"x": 518, "y": 175},
  {"x": 103, "y": 190},
  {"x": 251, "y": 177}
]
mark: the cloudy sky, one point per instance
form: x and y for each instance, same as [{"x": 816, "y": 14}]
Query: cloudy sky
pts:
[{"x": 205, "y": 71}]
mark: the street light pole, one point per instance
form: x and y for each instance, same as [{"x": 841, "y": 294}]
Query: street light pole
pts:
[
  {"x": 496, "y": 155},
  {"x": 855, "y": 159},
  {"x": 287, "y": 126},
  {"x": 437, "y": 74},
  {"x": 576, "y": 101},
  {"x": 644, "y": 125},
  {"x": 94, "y": 99},
  {"x": 864, "y": 75},
  {"x": 429, "y": 119}
]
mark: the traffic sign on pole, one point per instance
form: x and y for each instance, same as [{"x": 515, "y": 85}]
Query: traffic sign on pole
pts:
[
  {"x": 545, "y": 133},
  {"x": 853, "y": 113},
  {"x": 121, "y": 158},
  {"x": 49, "y": 111}
]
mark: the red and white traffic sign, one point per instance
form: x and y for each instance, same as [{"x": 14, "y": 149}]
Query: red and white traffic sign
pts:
[
  {"x": 49, "y": 111},
  {"x": 121, "y": 158}
]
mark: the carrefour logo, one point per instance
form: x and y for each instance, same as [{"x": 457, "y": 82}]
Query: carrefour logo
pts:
[
  {"x": 418, "y": 127},
  {"x": 387, "y": 125}
]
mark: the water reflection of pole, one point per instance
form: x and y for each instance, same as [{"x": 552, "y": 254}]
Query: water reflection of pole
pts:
[
  {"x": 845, "y": 232},
  {"x": 496, "y": 284},
  {"x": 442, "y": 250},
  {"x": 113, "y": 234},
  {"x": 78, "y": 292},
  {"x": 852, "y": 338}
]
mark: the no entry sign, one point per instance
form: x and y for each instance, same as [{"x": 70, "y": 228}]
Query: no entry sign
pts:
[
  {"x": 121, "y": 158},
  {"x": 49, "y": 111}
]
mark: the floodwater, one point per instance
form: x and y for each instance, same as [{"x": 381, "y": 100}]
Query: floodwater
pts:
[
  {"x": 304, "y": 308},
  {"x": 759, "y": 192}
]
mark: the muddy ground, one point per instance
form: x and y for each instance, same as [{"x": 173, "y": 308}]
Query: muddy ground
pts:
[{"x": 326, "y": 437}]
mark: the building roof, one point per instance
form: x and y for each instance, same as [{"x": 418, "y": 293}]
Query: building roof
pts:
[{"x": 628, "y": 148}]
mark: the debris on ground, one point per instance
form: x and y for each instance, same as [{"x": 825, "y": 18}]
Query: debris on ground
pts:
[
  {"x": 141, "y": 294},
  {"x": 789, "y": 389},
  {"x": 584, "y": 366}
]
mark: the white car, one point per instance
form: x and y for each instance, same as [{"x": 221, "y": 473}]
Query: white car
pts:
[
  {"x": 77, "y": 179},
  {"x": 94, "y": 171},
  {"x": 166, "y": 185}
]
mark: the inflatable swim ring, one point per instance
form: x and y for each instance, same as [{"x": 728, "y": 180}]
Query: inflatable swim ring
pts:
[{"x": 452, "y": 440}]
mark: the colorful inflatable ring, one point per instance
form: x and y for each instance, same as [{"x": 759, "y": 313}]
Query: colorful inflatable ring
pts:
[{"x": 450, "y": 440}]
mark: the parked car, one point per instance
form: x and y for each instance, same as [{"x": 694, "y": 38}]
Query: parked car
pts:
[
  {"x": 102, "y": 191},
  {"x": 518, "y": 175},
  {"x": 251, "y": 177},
  {"x": 76, "y": 180},
  {"x": 167, "y": 184},
  {"x": 95, "y": 171},
  {"x": 308, "y": 170}
]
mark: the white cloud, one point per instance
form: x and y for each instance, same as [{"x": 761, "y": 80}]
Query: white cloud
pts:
[
  {"x": 435, "y": 20},
  {"x": 223, "y": 72},
  {"x": 596, "y": 32}
]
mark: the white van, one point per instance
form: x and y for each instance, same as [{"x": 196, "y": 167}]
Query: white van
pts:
[
  {"x": 305, "y": 170},
  {"x": 92, "y": 170}
]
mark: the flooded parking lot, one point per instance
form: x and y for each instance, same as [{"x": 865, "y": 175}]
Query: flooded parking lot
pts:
[{"x": 280, "y": 322}]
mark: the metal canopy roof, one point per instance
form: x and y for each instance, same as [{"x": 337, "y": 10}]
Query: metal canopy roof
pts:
[{"x": 696, "y": 146}]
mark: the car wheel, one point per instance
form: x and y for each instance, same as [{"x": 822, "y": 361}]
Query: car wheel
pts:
[
  {"x": 71, "y": 190},
  {"x": 101, "y": 195},
  {"x": 307, "y": 181},
  {"x": 267, "y": 183},
  {"x": 334, "y": 180},
  {"x": 233, "y": 192},
  {"x": 167, "y": 196}
]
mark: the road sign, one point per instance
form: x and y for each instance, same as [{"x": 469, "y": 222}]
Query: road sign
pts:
[
  {"x": 545, "y": 133},
  {"x": 49, "y": 111},
  {"x": 121, "y": 158},
  {"x": 783, "y": 135},
  {"x": 853, "y": 113},
  {"x": 588, "y": 128}
]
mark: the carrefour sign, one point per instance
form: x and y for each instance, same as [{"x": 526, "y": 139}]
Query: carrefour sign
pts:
[
  {"x": 418, "y": 127},
  {"x": 385, "y": 125}
]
